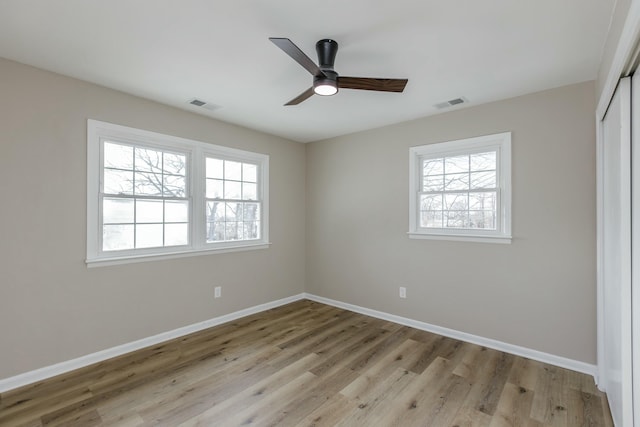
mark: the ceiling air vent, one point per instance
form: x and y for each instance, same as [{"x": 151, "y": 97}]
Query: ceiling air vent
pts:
[
  {"x": 450, "y": 103},
  {"x": 204, "y": 104}
]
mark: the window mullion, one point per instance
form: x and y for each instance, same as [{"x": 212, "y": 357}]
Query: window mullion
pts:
[
  {"x": 135, "y": 201},
  {"x": 475, "y": 190},
  {"x": 163, "y": 199},
  {"x": 143, "y": 197},
  {"x": 198, "y": 203}
]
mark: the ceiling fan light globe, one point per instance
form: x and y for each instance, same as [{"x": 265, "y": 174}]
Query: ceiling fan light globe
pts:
[{"x": 325, "y": 89}]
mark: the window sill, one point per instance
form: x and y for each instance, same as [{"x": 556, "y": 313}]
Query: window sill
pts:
[
  {"x": 129, "y": 259},
  {"x": 461, "y": 237}
]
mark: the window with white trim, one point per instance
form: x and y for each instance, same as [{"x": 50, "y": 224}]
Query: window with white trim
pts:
[
  {"x": 461, "y": 190},
  {"x": 151, "y": 195},
  {"x": 233, "y": 208},
  {"x": 144, "y": 197}
]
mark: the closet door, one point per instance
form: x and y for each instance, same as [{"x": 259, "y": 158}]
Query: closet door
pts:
[
  {"x": 635, "y": 243},
  {"x": 616, "y": 255}
]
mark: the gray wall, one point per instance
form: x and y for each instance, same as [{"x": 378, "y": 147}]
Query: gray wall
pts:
[
  {"x": 52, "y": 307},
  {"x": 538, "y": 292}
]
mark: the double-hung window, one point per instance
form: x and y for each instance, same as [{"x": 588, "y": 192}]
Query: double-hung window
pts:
[
  {"x": 232, "y": 207},
  {"x": 144, "y": 199},
  {"x": 461, "y": 190},
  {"x": 151, "y": 195}
]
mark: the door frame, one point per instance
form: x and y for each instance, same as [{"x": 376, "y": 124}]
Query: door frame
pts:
[
  {"x": 621, "y": 218},
  {"x": 635, "y": 243},
  {"x": 624, "y": 61}
]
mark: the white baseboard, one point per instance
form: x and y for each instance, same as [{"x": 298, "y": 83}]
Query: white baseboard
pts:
[
  {"x": 540, "y": 356},
  {"x": 89, "y": 359}
]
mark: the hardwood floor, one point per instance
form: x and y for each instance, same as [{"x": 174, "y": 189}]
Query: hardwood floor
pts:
[{"x": 309, "y": 364}]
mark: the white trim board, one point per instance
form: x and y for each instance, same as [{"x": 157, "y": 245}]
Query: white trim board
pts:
[
  {"x": 625, "y": 50},
  {"x": 540, "y": 356},
  {"x": 89, "y": 359},
  {"x": 99, "y": 356}
]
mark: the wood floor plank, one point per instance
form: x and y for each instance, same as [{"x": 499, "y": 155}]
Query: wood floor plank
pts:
[
  {"x": 469, "y": 363},
  {"x": 487, "y": 379},
  {"x": 583, "y": 409},
  {"x": 271, "y": 406},
  {"x": 499, "y": 368},
  {"x": 380, "y": 349},
  {"x": 313, "y": 335},
  {"x": 468, "y": 416},
  {"x": 191, "y": 399},
  {"x": 429, "y": 353},
  {"x": 185, "y": 380},
  {"x": 309, "y": 364},
  {"x": 254, "y": 394},
  {"x": 50, "y": 403},
  {"x": 82, "y": 418},
  {"x": 417, "y": 394},
  {"x": 525, "y": 373},
  {"x": 549, "y": 404},
  {"x": 608, "y": 421},
  {"x": 121, "y": 420},
  {"x": 445, "y": 407},
  {"x": 372, "y": 379},
  {"x": 330, "y": 413},
  {"x": 315, "y": 396},
  {"x": 514, "y": 407},
  {"x": 351, "y": 350},
  {"x": 31, "y": 423},
  {"x": 372, "y": 401}
]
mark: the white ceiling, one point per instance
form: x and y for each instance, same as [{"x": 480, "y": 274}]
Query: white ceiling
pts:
[{"x": 218, "y": 51}]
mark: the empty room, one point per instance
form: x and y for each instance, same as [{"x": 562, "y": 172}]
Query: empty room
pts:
[{"x": 286, "y": 213}]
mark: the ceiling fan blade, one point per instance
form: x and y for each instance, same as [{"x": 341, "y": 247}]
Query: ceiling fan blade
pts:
[
  {"x": 304, "y": 95},
  {"x": 366, "y": 83},
  {"x": 299, "y": 56}
]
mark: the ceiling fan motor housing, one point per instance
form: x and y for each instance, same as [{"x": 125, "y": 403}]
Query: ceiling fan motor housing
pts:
[
  {"x": 327, "y": 50},
  {"x": 329, "y": 75},
  {"x": 326, "y": 83}
]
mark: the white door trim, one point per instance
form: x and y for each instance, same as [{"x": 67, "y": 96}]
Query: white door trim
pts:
[
  {"x": 635, "y": 243},
  {"x": 614, "y": 267},
  {"x": 625, "y": 52}
]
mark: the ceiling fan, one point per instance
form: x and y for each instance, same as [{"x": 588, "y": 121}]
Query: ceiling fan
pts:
[{"x": 325, "y": 80}]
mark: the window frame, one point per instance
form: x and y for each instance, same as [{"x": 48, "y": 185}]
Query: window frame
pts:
[
  {"x": 225, "y": 155},
  {"x": 501, "y": 143},
  {"x": 188, "y": 196},
  {"x": 196, "y": 152}
]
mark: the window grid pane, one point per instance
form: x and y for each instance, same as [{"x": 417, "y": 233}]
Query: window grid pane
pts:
[
  {"x": 459, "y": 192},
  {"x": 233, "y": 207},
  {"x": 141, "y": 187}
]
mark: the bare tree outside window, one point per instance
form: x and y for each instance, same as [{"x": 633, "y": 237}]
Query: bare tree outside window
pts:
[
  {"x": 153, "y": 195},
  {"x": 233, "y": 208},
  {"x": 459, "y": 191},
  {"x": 144, "y": 203}
]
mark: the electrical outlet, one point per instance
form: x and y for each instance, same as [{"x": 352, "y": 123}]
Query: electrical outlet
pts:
[
  {"x": 403, "y": 292},
  {"x": 217, "y": 292}
]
